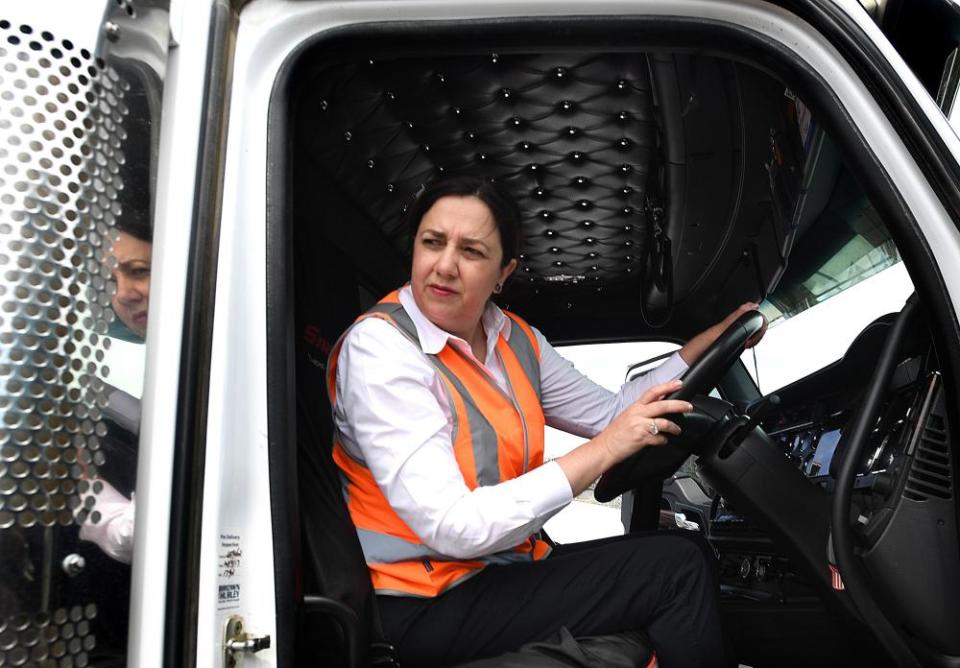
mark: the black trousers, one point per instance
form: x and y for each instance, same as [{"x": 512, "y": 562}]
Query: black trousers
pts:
[{"x": 662, "y": 583}]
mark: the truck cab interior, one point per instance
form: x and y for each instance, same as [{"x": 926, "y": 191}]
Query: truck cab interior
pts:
[{"x": 667, "y": 172}]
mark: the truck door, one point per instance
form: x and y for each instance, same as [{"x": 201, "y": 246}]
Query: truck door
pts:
[{"x": 80, "y": 99}]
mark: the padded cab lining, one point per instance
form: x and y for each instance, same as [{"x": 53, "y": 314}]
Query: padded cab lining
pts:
[{"x": 671, "y": 177}]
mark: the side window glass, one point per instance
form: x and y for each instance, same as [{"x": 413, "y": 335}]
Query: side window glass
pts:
[
  {"x": 78, "y": 137},
  {"x": 609, "y": 365}
]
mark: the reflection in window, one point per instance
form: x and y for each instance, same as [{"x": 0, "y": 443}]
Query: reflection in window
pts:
[{"x": 847, "y": 244}]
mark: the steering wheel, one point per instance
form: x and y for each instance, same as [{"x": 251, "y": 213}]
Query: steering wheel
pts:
[{"x": 700, "y": 378}]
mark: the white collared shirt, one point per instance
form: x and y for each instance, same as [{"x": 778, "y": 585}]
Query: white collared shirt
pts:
[{"x": 392, "y": 409}]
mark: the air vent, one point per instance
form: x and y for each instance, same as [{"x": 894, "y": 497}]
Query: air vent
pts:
[{"x": 931, "y": 474}]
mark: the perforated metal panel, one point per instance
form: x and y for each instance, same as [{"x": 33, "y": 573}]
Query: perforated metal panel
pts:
[
  {"x": 66, "y": 120},
  {"x": 61, "y": 133},
  {"x": 61, "y": 638}
]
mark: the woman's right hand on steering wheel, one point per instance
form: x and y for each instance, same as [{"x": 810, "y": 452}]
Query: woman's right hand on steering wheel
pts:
[
  {"x": 626, "y": 434},
  {"x": 643, "y": 423}
]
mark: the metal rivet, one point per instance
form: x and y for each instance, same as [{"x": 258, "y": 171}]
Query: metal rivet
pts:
[
  {"x": 111, "y": 30},
  {"x": 73, "y": 565},
  {"x": 567, "y": 105},
  {"x": 581, "y": 181},
  {"x": 572, "y": 131},
  {"x": 560, "y": 72},
  {"x": 540, "y": 192},
  {"x": 576, "y": 156},
  {"x": 584, "y": 205},
  {"x": 626, "y": 168},
  {"x": 505, "y": 93},
  {"x": 547, "y": 215},
  {"x": 587, "y": 224}
]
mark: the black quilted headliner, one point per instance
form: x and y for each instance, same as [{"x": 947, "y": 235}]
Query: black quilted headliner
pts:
[{"x": 656, "y": 189}]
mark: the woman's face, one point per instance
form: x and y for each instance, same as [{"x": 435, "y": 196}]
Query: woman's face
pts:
[
  {"x": 132, "y": 274},
  {"x": 457, "y": 258}
]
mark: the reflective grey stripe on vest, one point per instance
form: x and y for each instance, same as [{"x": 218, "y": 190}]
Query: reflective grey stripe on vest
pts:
[
  {"x": 483, "y": 437},
  {"x": 400, "y": 316},
  {"x": 401, "y": 319},
  {"x": 526, "y": 354},
  {"x": 481, "y": 431},
  {"x": 350, "y": 448},
  {"x": 381, "y": 548}
]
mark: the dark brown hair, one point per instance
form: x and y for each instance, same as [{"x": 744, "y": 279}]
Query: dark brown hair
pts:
[{"x": 506, "y": 213}]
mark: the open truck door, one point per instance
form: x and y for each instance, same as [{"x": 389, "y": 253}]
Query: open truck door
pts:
[{"x": 673, "y": 159}]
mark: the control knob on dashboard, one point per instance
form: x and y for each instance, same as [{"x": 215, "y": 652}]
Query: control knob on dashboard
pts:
[{"x": 883, "y": 483}]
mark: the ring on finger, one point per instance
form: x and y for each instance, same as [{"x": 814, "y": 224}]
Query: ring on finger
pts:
[{"x": 653, "y": 428}]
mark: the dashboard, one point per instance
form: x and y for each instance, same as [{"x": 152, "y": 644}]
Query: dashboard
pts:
[
  {"x": 807, "y": 429},
  {"x": 811, "y": 435}
]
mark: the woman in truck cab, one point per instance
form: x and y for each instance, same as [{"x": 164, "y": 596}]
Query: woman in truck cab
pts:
[
  {"x": 129, "y": 258},
  {"x": 131, "y": 272},
  {"x": 440, "y": 400}
]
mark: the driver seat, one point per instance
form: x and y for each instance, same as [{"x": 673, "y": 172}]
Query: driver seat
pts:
[{"x": 338, "y": 618}]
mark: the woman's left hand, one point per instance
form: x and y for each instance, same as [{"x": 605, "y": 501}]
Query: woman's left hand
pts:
[
  {"x": 696, "y": 346},
  {"x": 745, "y": 307}
]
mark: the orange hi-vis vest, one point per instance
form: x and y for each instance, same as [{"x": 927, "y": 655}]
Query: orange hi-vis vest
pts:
[{"x": 497, "y": 436}]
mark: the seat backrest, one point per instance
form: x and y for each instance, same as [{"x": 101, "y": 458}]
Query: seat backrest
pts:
[{"x": 327, "y": 301}]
